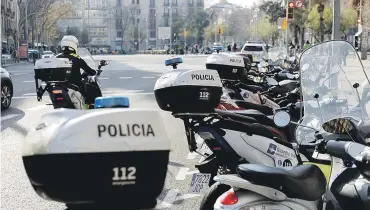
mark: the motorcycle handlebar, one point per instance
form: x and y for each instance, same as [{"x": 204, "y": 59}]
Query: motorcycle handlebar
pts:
[{"x": 337, "y": 148}]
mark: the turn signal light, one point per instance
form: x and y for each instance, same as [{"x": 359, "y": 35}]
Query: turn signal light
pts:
[
  {"x": 59, "y": 99},
  {"x": 57, "y": 91},
  {"x": 229, "y": 198}
]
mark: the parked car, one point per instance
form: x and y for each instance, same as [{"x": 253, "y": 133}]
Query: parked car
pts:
[
  {"x": 47, "y": 54},
  {"x": 257, "y": 50},
  {"x": 6, "y": 89}
]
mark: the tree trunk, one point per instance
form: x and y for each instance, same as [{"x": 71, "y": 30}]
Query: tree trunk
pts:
[
  {"x": 302, "y": 36},
  {"x": 365, "y": 28},
  {"x": 33, "y": 21}
]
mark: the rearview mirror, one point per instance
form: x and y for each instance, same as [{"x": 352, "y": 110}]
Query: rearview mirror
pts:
[
  {"x": 290, "y": 76},
  {"x": 103, "y": 63},
  {"x": 338, "y": 126},
  {"x": 281, "y": 119},
  {"x": 271, "y": 81}
]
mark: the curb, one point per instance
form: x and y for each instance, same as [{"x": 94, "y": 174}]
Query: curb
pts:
[{"x": 16, "y": 64}]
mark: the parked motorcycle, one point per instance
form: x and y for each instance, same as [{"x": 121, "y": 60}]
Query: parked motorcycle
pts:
[{"x": 261, "y": 186}]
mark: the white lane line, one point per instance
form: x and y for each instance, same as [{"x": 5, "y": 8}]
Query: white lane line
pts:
[
  {"x": 103, "y": 77},
  {"x": 125, "y": 77},
  {"x": 168, "y": 200},
  {"x": 183, "y": 172},
  {"x": 29, "y": 81},
  {"x": 134, "y": 91},
  {"x": 32, "y": 95},
  {"x": 107, "y": 91},
  {"x": 186, "y": 196},
  {"x": 17, "y": 74},
  {"x": 148, "y": 77},
  {"x": 7, "y": 117},
  {"x": 37, "y": 107}
]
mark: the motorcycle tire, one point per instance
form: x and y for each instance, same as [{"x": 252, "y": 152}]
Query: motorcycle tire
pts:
[{"x": 215, "y": 191}]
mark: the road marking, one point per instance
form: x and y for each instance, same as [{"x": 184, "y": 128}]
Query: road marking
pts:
[
  {"x": 148, "y": 77},
  {"x": 29, "y": 81},
  {"x": 7, "y": 117},
  {"x": 186, "y": 196},
  {"x": 183, "y": 172},
  {"x": 103, "y": 77},
  {"x": 125, "y": 77},
  {"x": 168, "y": 200},
  {"x": 128, "y": 93},
  {"x": 107, "y": 91},
  {"x": 37, "y": 107},
  {"x": 17, "y": 74},
  {"x": 134, "y": 91}
]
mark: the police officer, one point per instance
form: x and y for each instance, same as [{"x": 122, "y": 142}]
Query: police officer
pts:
[{"x": 69, "y": 48}]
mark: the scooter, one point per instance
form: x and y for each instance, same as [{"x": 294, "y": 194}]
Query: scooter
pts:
[{"x": 302, "y": 187}]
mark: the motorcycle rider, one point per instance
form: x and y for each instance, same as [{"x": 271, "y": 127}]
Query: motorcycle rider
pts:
[{"x": 69, "y": 46}]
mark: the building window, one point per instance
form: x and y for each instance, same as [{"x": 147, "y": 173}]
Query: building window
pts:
[
  {"x": 174, "y": 11},
  {"x": 174, "y": 2},
  {"x": 137, "y": 1},
  {"x": 152, "y": 34},
  {"x": 138, "y": 21},
  {"x": 118, "y": 2},
  {"x": 138, "y": 11},
  {"x": 152, "y": 12},
  {"x": 133, "y": 1},
  {"x": 166, "y": 22},
  {"x": 152, "y": 22},
  {"x": 166, "y": 3},
  {"x": 166, "y": 11},
  {"x": 191, "y": 2},
  {"x": 119, "y": 34},
  {"x": 152, "y": 3}
]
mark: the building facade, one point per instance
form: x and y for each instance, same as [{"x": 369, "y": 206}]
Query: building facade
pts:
[
  {"x": 9, "y": 24},
  {"x": 145, "y": 18}
]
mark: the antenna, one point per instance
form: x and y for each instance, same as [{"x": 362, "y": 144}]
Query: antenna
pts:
[
  {"x": 355, "y": 86},
  {"x": 316, "y": 96}
]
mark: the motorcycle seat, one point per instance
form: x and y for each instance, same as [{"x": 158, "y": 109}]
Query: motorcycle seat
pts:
[
  {"x": 305, "y": 182},
  {"x": 259, "y": 116},
  {"x": 247, "y": 105}
]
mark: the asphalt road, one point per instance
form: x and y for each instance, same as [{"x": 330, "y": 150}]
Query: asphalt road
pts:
[{"x": 132, "y": 76}]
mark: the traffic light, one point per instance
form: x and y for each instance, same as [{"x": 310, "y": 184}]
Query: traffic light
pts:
[
  {"x": 290, "y": 10},
  {"x": 219, "y": 30},
  {"x": 186, "y": 32}
]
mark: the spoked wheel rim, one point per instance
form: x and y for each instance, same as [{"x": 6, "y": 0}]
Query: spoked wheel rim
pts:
[{"x": 5, "y": 96}]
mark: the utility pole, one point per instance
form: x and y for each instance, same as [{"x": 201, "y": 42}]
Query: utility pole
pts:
[
  {"x": 138, "y": 35},
  {"x": 26, "y": 25},
  {"x": 88, "y": 22},
  {"x": 170, "y": 11},
  {"x": 336, "y": 20}
]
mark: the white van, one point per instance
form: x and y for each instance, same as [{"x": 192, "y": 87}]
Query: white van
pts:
[{"x": 257, "y": 50}]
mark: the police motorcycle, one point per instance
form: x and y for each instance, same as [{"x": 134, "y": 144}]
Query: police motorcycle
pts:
[
  {"x": 348, "y": 109},
  {"x": 104, "y": 158},
  {"x": 231, "y": 137},
  {"x": 235, "y": 72},
  {"x": 55, "y": 73}
]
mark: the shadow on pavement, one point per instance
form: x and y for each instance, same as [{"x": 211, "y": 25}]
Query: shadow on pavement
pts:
[{"x": 9, "y": 118}]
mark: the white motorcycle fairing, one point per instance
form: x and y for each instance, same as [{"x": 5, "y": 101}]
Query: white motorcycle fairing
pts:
[{"x": 259, "y": 197}]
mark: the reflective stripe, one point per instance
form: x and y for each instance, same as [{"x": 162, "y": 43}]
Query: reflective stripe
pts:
[{"x": 74, "y": 55}]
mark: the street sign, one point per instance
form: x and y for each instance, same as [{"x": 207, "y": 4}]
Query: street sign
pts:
[
  {"x": 291, "y": 5},
  {"x": 298, "y": 3}
]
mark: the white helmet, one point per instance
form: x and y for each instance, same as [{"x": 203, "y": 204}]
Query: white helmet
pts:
[{"x": 71, "y": 42}]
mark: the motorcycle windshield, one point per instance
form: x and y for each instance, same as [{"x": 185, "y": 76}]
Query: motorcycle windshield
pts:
[
  {"x": 331, "y": 71},
  {"x": 85, "y": 54}
]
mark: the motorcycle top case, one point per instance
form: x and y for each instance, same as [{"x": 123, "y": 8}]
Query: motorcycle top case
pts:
[
  {"x": 182, "y": 91},
  {"x": 229, "y": 66},
  {"x": 102, "y": 156},
  {"x": 53, "y": 69}
]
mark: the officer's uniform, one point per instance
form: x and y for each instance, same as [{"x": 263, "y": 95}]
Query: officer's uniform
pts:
[{"x": 76, "y": 77}]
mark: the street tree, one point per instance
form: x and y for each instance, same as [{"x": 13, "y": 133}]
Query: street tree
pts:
[
  {"x": 47, "y": 23},
  {"x": 365, "y": 21},
  {"x": 274, "y": 10},
  {"x": 313, "y": 21},
  {"x": 267, "y": 31},
  {"x": 124, "y": 19},
  {"x": 197, "y": 22}
]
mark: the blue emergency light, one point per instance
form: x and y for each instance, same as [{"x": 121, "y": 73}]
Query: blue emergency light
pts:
[{"x": 112, "y": 102}]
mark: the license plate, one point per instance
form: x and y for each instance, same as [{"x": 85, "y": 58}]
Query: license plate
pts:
[{"x": 199, "y": 183}]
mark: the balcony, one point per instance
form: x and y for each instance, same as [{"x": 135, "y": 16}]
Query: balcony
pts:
[
  {"x": 8, "y": 11},
  {"x": 200, "y": 4},
  {"x": 13, "y": 14},
  {"x": 2, "y": 8}
]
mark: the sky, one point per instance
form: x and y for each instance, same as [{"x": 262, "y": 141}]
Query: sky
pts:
[{"x": 244, "y": 3}]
